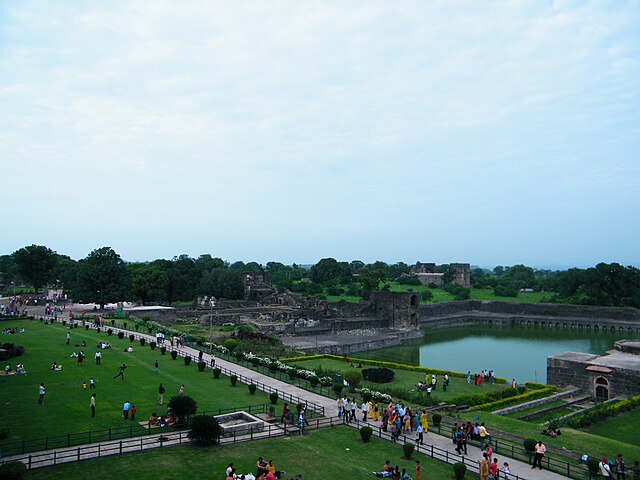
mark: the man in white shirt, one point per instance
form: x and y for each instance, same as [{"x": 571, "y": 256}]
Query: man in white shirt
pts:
[{"x": 605, "y": 469}]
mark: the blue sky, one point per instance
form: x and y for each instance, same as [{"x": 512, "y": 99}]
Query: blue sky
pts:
[{"x": 485, "y": 132}]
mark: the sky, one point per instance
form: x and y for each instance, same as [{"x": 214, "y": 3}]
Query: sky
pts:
[{"x": 493, "y": 133}]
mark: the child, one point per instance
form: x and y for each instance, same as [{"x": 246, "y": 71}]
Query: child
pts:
[
  {"x": 133, "y": 412},
  {"x": 506, "y": 471},
  {"x": 84, "y": 385},
  {"x": 417, "y": 469},
  {"x": 92, "y": 383}
]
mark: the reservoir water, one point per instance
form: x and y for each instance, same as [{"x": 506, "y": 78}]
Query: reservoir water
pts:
[{"x": 514, "y": 352}]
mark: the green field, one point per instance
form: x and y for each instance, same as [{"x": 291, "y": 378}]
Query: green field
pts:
[
  {"x": 440, "y": 295},
  {"x": 334, "y": 452},
  {"x": 405, "y": 379},
  {"x": 66, "y": 407},
  {"x": 623, "y": 428}
]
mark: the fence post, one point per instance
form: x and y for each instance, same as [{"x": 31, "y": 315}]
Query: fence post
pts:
[
  {"x": 98, "y": 450},
  {"x": 23, "y": 445},
  {"x": 78, "y": 453},
  {"x": 140, "y": 443},
  {"x": 55, "y": 456},
  {"x": 120, "y": 451},
  {"x": 29, "y": 462}
]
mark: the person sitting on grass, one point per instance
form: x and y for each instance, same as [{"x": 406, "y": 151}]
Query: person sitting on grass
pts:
[
  {"x": 171, "y": 420},
  {"x": 387, "y": 470},
  {"x": 153, "y": 419}
]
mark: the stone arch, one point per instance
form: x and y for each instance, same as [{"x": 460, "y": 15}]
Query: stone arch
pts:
[
  {"x": 613, "y": 329},
  {"x": 528, "y": 323},
  {"x": 414, "y": 300},
  {"x": 573, "y": 326},
  {"x": 601, "y": 389},
  {"x": 596, "y": 328}
]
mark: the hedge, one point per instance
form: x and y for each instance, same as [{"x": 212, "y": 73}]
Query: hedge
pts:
[
  {"x": 602, "y": 412},
  {"x": 507, "y": 402},
  {"x": 378, "y": 363}
]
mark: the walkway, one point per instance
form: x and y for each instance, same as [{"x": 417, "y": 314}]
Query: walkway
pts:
[{"x": 263, "y": 382}]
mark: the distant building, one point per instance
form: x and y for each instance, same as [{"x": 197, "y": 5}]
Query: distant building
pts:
[
  {"x": 426, "y": 273},
  {"x": 256, "y": 285},
  {"x": 615, "y": 374}
]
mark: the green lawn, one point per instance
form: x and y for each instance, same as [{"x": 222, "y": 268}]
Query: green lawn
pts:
[
  {"x": 66, "y": 407},
  {"x": 405, "y": 379},
  {"x": 440, "y": 295},
  {"x": 336, "y": 453},
  {"x": 575, "y": 440},
  {"x": 527, "y": 411},
  {"x": 623, "y": 427}
]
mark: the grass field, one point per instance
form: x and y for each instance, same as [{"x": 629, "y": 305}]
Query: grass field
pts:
[
  {"x": 577, "y": 441},
  {"x": 623, "y": 428},
  {"x": 66, "y": 407},
  {"x": 406, "y": 379},
  {"x": 326, "y": 453},
  {"x": 440, "y": 295}
]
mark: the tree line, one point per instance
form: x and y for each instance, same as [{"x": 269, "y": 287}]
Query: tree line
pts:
[{"x": 102, "y": 276}]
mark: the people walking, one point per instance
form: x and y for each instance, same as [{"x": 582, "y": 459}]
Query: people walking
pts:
[
  {"x": 161, "y": 391},
  {"x": 125, "y": 409},
  {"x": 41, "y": 391},
  {"x": 92, "y": 404}
]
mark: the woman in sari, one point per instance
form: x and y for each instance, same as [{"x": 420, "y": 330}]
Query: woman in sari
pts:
[
  {"x": 424, "y": 421},
  {"x": 376, "y": 412},
  {"x": 370, "y": 415}
]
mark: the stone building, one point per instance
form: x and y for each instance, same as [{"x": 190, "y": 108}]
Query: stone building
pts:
[
  {"x": 401, "y": 309},
  {"x": 615, "y": 374},
  {"x": 427, "y": 274},
  {"x": 256, "y": 285}
]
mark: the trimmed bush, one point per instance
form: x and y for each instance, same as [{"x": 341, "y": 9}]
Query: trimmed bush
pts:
[
  {"x": 230, "y": 344},
  {"x": 233, "y": 379},
  {"x": 353, "y": 378},
  {"x": 273, "y": 366},
  {"x": 408, "y": 449},
  {"x": 202, "y": 366},
  {"x": 183, "y": 406},
  {"x": 593, "y": 465},
  {"x": 152, "y": 344},
  {"x": 216, "y": 372},
  {"x": 378, "y": 374},
  {"x": 113, "y": 322},
  {"x": 314, "y": 380},
  {"x": 293, "y": 373},
  {"x": 174, "y": 354},
  {"x": 273, "y": 397},
  {"x": 163, "y": 350},
  {"x": 529, "y": 445},
  {"x": 238, "y": 354},
  {"x": 132, "y": 337},
  {"x": 109, "y": 332},
  {"x": 252, "y": 388},
  {"x": 187, "y": 360},
  {"x": 13, "y": 470},
  {"x": 337, "y": 388},
  {"x": 365, "y": 433},
  {"x": 205, "y": 430},
  {"x": 459, "y": 470},
  {"x": 143, "y": 341},
  {"x": 4, "y": 433},
  {"x": 120, "y": 334},
  {"x": 436, "y": 419}
]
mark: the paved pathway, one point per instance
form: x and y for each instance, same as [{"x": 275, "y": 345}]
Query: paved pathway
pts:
[{"x": 444, "y": 443}]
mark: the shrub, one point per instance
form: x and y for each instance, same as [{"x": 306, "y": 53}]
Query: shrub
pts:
[
  {"x": 125, "y": 325},
  {"x": 238, "y": 354},
  {"x": 120, "y": 334},
  {"x": 216, "y": 372},
  {"x": 366, "y": 395},
  {"x": 152, "y": 344},
  {"x": 136, "y": 326},
  {"x": 205, "y": 430},
  {"x": 459, "y": 470},
  {"x": 353, "y": 377},
  {"x": 337, "y": 388},
  {"x": 593, "y": 465},
  {"x": 293, "y": 373},
  {"x": 143, "y": 341},
  {"x": 408, "y": 448},
  {"x": 202, "y": 366},
  {"x": 13, "y": 470},
  {"x": 109, "y": 332},
  {"x": 230, "y": 344},
  {"x": 505, "y": 291},
  {"x": 4, "y": 433},
  {"x": 314, "y": 380},
  {"x": 273, "y": 366},
  {"x": 378, "y": 375},
  {"x": 234, "y": 380},
  {"x": 163, "y": 350},
  {"x": 187, "y": 360},
  {"x": 273, "y": 398},
  {"x": 131, "y": 337},
  {"x": 174, "y": 354},
  {"x": 113, "y": 322},
  {"x": 365, "y": 433},
  {"x": 183, "y": 406},
  {"x": 252, "y": 388},
  {"x": 529, "y": 445},
  {"x": 436, "y": 419},
  {"x": 86, "y": 327}
]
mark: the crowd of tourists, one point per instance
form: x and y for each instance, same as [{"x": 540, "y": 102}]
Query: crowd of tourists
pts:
[{"x": 265, "y": 470}]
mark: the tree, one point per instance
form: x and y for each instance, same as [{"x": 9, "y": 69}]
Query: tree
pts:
[
  {"x": 520, "y": 276},
  {"x": 370, "y": 280},
  {"x": 35, "y": 264},
  {"x": 101, "y": 277},
  {"x": 329, "y": 269},
  {"x": 205, "y": 430},
  {"x": 149, "y": 282},
  {"x": 222, "y": 283},
  {"x": 183, "y": 278},
  {"x": 183, "y": 407}
]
